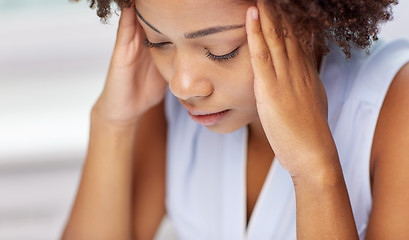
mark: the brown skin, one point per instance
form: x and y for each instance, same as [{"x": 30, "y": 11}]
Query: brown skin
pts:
[
  {"x": 200, "y": 83},
  {"x": 104, "y": 202},
  {"x": 259, "y": 158},
  {"x": 105, "y": 199},
  {"x": 390, "y": 164},
  {"x": 356, "y": 21},
  {"x": 149, "y": 177}
]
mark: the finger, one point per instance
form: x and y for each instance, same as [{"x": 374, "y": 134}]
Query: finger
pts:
[
  {"x": 261, "y": 59},
  {"x": 273, "y": 34},
  {"x": 296, "y": 52},
  {"x": 127, "y": 26},
  {"x": 299, "y": 53}
]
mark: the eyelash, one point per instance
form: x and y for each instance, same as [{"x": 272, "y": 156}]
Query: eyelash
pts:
[
  {"x": 224, "y": 57},
  {"x": 218, "y": 58},
  {"x": 148, "y": 44}
]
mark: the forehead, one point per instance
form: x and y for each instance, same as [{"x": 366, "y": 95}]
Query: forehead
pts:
[{"x": 191, "y": 15}]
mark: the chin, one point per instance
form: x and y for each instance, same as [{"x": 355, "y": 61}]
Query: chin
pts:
[{"x": 225, "y": 128}]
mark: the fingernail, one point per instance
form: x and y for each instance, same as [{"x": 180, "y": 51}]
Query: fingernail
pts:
[{"x": 254, "y": 14}]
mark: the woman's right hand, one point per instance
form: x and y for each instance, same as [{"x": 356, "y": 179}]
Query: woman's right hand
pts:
[{"x": 133, "y": 84}]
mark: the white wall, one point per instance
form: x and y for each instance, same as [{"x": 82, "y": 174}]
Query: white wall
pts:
[
  {"x": 399, "y": 26},
  {"x": 53, "y": 59}
]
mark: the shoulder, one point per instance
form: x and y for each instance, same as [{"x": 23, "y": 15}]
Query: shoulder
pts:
[
  {"x": 394, "y": 106},
  {"x": 390, "y": 163},
  {"x": 394, "y": 114}
]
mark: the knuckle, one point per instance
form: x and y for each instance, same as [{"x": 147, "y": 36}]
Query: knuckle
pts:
[
  {"x": 274, "y": 31},
  {"x": 263, "y": 55}
]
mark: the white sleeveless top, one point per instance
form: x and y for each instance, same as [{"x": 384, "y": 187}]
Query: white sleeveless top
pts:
[{"x": 206, "y": 171}]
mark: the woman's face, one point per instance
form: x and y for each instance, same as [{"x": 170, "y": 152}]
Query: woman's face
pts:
[{"x": 200, "y": 48}]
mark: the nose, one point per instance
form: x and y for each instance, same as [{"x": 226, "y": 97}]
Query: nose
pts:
[{"x": 190, "y": 79}]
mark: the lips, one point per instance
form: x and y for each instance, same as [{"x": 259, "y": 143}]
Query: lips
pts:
[{"x": 207, "y": 118}]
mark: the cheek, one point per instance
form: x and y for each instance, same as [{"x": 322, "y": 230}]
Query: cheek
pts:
[
  {"x": 242, "y": 78},
  {"x": 247, "y": 89},
  {"x": 163, "y": 63},
  {"x": 235, "y": 79}
]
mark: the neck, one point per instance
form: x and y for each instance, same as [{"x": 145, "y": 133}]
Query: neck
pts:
[{"x": 256, "y": 134}]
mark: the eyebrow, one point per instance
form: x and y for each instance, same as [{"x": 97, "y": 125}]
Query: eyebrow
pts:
[
  {"x": 196, "y": 34},
  {"x": 212, "y": 30}
]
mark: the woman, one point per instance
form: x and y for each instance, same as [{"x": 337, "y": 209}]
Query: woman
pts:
[{"x": 261, "y": 135}]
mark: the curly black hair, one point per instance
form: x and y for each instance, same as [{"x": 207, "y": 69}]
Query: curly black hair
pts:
[{"x": 347, "y": 23}]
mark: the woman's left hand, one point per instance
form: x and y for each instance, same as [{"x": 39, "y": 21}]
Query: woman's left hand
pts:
[{"x": 291, "y": 99}]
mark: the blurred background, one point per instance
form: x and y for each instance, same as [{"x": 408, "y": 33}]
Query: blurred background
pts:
[{"x": 54, "y": 55}]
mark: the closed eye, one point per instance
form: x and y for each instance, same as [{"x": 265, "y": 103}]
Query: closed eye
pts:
[
  {"x": 149, "y": 44},
  {"x": 224, "y": 57},
  {"x": 218, "y": 58}
]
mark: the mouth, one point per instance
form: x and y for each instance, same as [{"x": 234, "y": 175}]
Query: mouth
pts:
[{"x": 208, "y": 118}]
